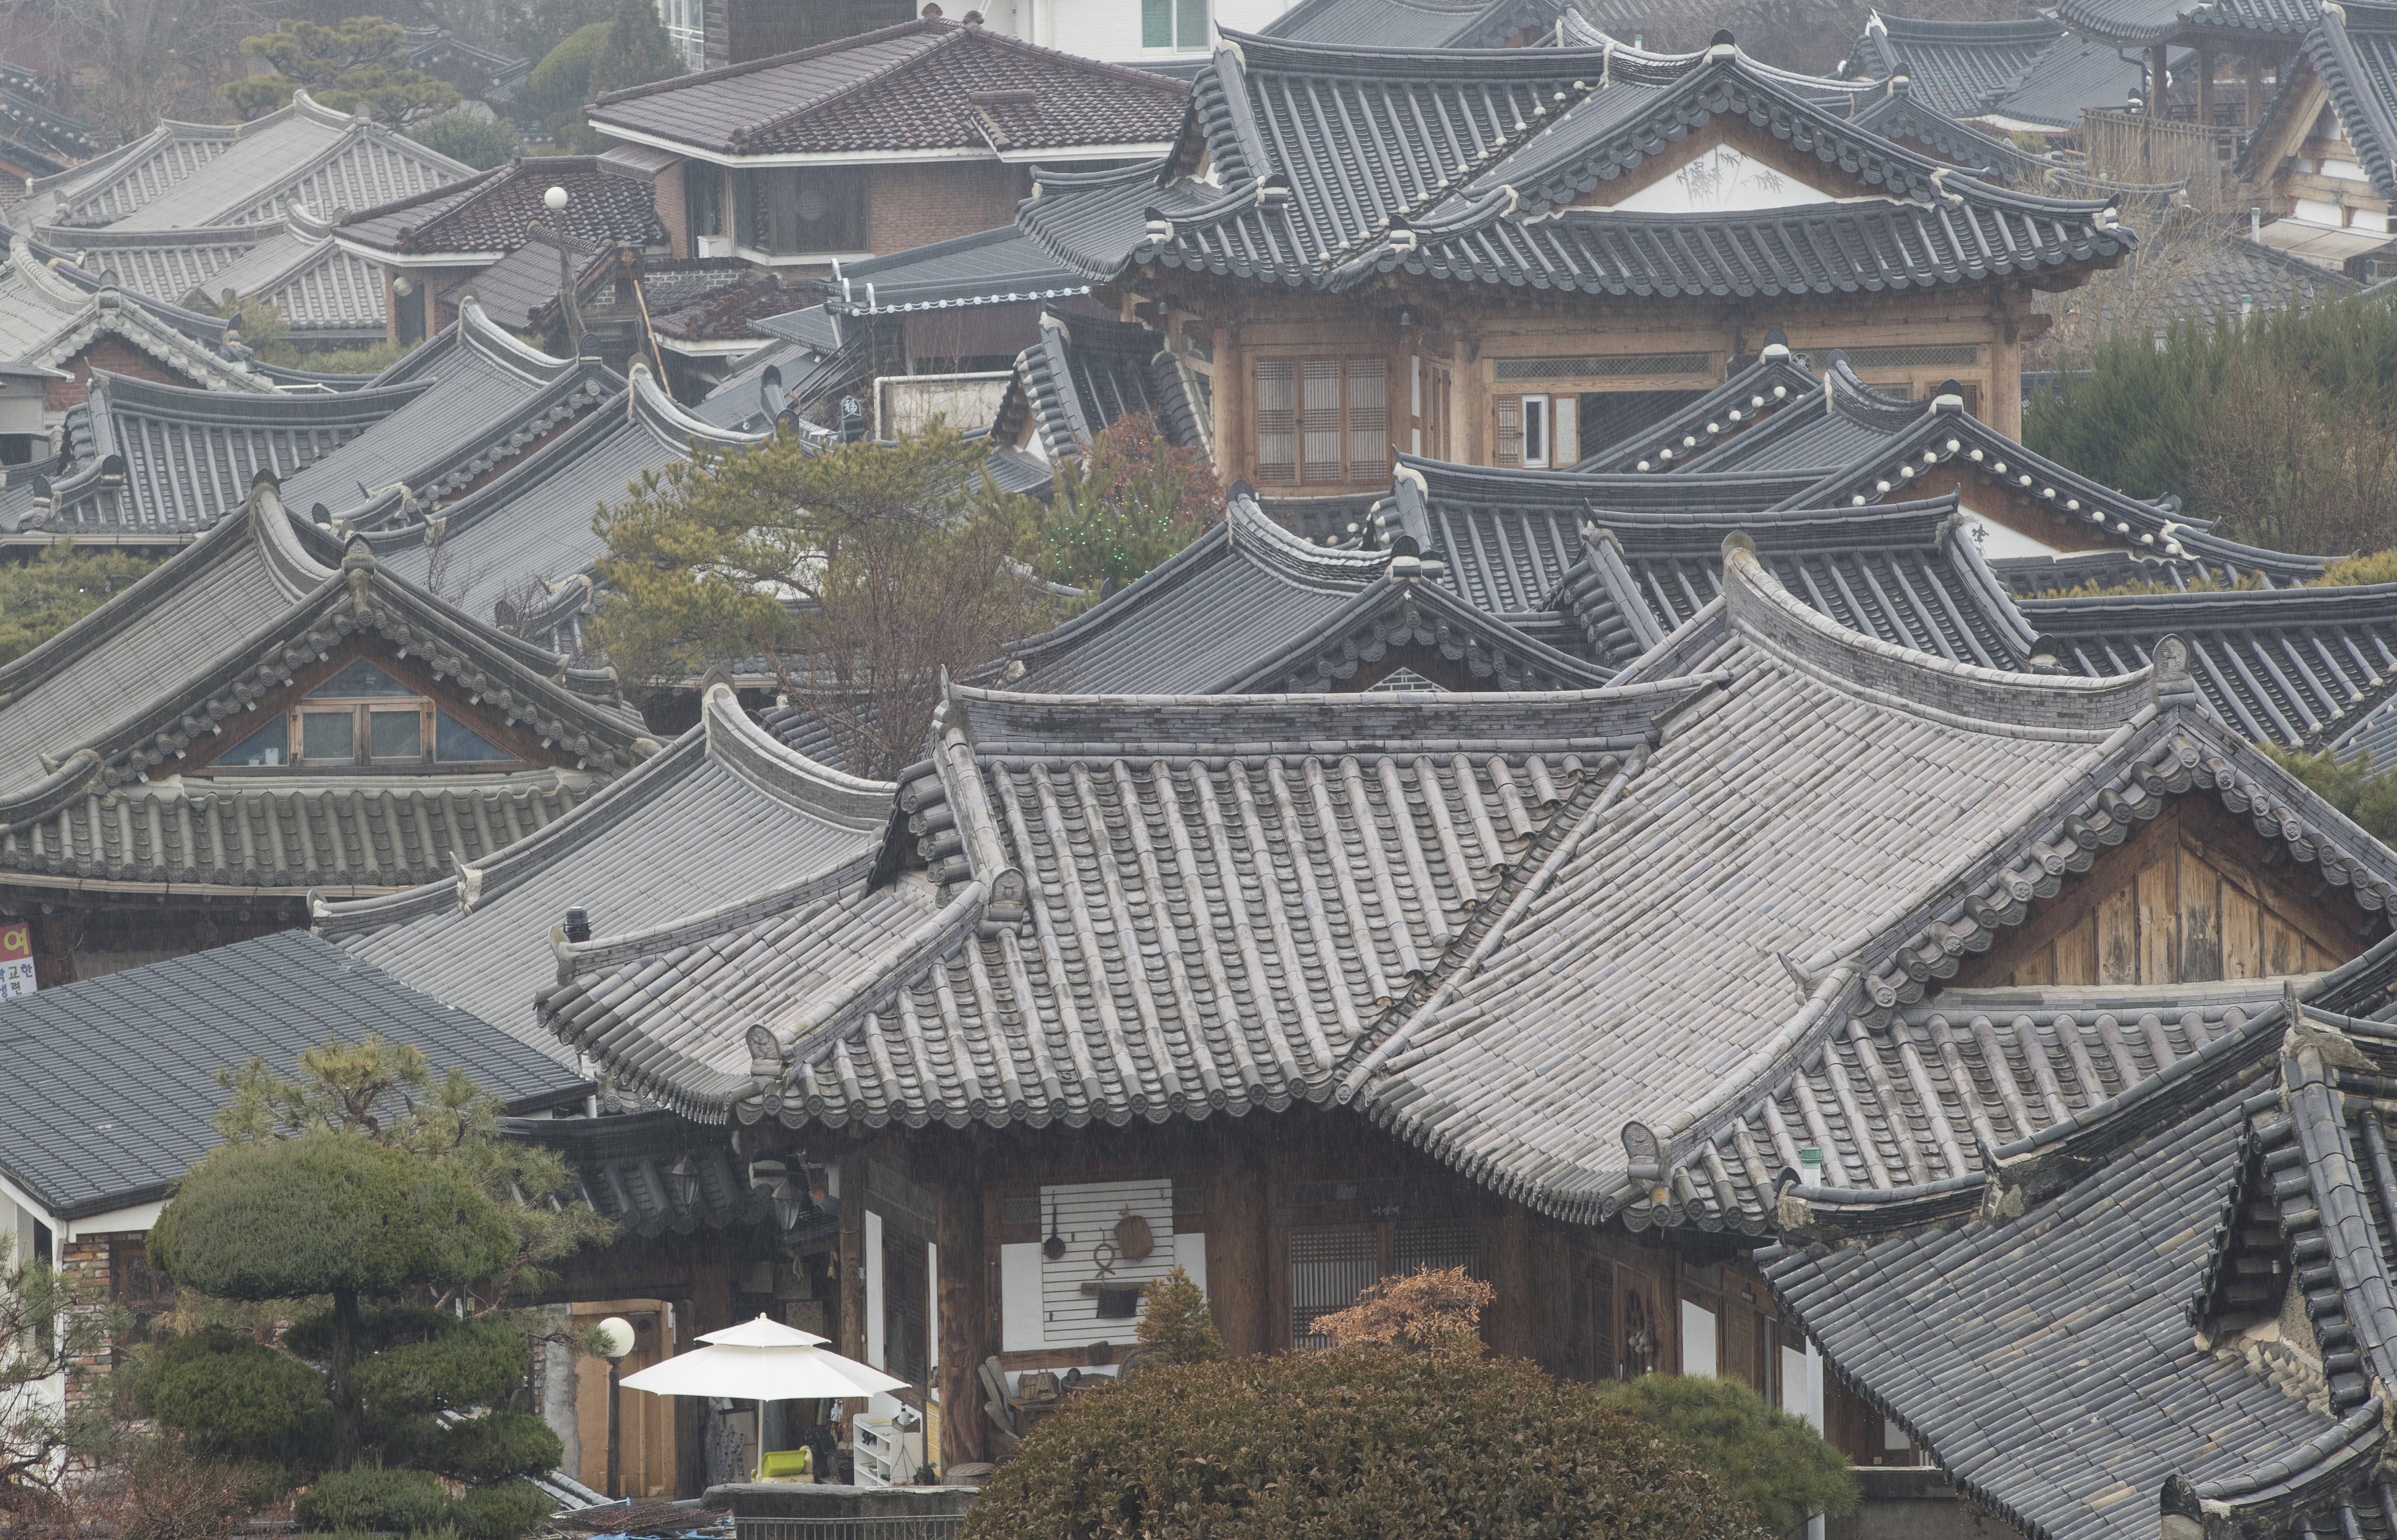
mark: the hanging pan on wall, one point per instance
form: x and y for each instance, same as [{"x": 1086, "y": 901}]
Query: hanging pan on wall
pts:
[{"x": 1054, "y": 1247}]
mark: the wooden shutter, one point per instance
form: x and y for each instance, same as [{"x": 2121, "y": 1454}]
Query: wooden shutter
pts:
[
  {"x": 1277, "y": 420},
  {"x": 1509, "y": 447}
]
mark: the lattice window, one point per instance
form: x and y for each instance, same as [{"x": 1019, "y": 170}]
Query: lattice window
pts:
[
  {"x": 1323, "y": 421},
  {"x": 1328, "y": 1270}
]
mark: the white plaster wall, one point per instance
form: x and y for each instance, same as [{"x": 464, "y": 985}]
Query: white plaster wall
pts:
[{"x": 1109, "y": 31}]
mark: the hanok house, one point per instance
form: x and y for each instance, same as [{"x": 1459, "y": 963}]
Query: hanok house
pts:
[
  {"x": 2026, "y": 77},
  {"x": 2323, "y": 158},
  {"x": 878, "y": 144},
  {"x": 1439, "y": 885},
  {"x": 1580, "y": 224},
  {"x": 55, "y": 316},
  {"x": 143, "y": 464},
  {"x": 202, "y": 208},
  {"x": 323, "y": 725},
  {"x": 431, "y": 245}
]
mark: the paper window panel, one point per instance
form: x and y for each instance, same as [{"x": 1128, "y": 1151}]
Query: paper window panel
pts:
[
  {"x": 1277, "y": 420},
  {"x": 1369, "y": 417}
]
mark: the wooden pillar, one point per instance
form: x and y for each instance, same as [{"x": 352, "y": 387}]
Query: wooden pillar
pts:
[
  {"x": 965, "y": 1313},
  {"x": 2159, "y": 80},
  {"x": 1238, "y": 1255},
  {"x": 2252, "y": 74},
  {"x": 1235, "y": 431},
  {"x": 1469, "y": 401},
  {"x": 2205, "y": 88},
  {"x": 53, "y": 937},
  {"x": 1510, "y": 1320}
]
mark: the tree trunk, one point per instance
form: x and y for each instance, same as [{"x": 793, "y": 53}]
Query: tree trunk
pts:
[{"x": 345, "y": 1406}]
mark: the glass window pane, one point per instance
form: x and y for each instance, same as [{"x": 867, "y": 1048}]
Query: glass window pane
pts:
[
  {"x": 396, "y": 734},
  {"x": 454, "y": 740},
  {"x": 1156, "y": 24},
  {"x": 1192, "y": 23},
  {"x": 269, "y": 746},
  {"x": 360, "y": 677},
  {"x": 329, "y": 735}
]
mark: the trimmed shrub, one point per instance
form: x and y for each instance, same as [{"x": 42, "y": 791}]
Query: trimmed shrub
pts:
[
  {"x": 1769, "y": 1460},
  {"x": 472, "y": 1363},
  {"x": 490, "y": 1450},
  {"x": 231, "y": 1397},
  {"x": 398, "y": 1502},
  {"x": 1361, "y": 1442},
  {"x": 499, "y": 1513}
]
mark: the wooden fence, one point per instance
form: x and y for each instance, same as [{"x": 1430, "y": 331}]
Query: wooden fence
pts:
[{"x": 2144, "y": 151}]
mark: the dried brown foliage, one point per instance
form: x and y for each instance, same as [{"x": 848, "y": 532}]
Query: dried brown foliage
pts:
[{"x": 1422, "y": 1312}]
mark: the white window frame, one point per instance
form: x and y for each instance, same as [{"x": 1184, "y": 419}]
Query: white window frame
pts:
[{"x": 1535, "y": 432}]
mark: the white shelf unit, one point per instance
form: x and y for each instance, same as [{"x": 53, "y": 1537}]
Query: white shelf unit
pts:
[{"x": 875, "y": 1448}]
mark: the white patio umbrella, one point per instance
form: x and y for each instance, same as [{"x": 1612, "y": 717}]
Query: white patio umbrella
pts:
[{"x": 761, "y": 1361}]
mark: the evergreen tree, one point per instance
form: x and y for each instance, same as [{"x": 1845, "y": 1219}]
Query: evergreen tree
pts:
[
  {"x": 373, "y": 1183},
  {"x": 1175, "y": 1321},
  {"x": 637, "y": 50},
  {"x": 42, "y": 598},
  {"x": 361, "y": 65}
]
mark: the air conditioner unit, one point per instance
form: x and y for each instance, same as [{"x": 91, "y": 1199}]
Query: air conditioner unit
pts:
[{"x": 714, "y": 245}]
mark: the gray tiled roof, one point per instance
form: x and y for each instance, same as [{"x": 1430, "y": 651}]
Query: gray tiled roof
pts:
[
  {"x": 108, "y": 1096},
  {"x": 491, "y": 212},
  {"x": 1902, "y": 572},
  {"x": 171, "y": 459},
  {"x": 1959, "y": 68},
  {"x": 1251, "y": 1008},
  {"x": 2289, "y": 666},
  {"x": 325, "y": 160},
  {"x": 2148, "y": 22},
  {"x": 1001, "y": 266},
  {"x": 2049, "y": 1361},
  {"x": 209, "y": 597},
  {"x": 532, "y": 519},
  {"x": 1414, "y": 24},
  {"x": 489, "y": 399},
  {"x": 1864, "y": 448},
  {"x": 526, "y": 279},
  {"x": 725, "y": 810},
  {"x": 1084, "y": 373},
  {"x": 1469, "y": 166},
  {"x": 1250, "y": 607},
  {"x": 923, "y": 85}
]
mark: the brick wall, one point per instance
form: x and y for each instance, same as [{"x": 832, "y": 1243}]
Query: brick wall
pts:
[
  {"x": 85, "y": 1260},
  {"x": 118, "y": 356},
  {"x": 911, "y": 206},
  {"x": 672, "y": 211}
]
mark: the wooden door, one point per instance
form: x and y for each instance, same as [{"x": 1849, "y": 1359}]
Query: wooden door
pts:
[
  {"x": 645, "y": 1431},
  {"x": 1435, "y": 412}
]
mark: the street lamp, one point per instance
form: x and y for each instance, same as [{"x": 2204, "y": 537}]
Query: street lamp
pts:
[{"x": 614, "y": 1340}]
